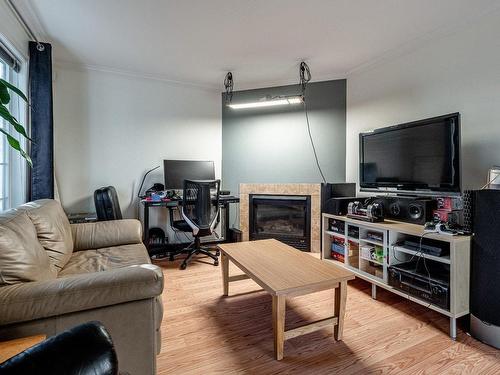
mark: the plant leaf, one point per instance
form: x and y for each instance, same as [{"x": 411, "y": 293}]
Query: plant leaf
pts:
[
  {"x": 26, "y": 157},
  {"x": 14, "y": 143},
  {"x": 4, "y": 112},
  {"x": 15, "y": 89},
  {"x": 4, "y": 94}
]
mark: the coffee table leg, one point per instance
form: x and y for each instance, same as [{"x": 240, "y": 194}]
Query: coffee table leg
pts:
[
  {"x": 339, "y": 309},
  {"x": 225, "y": 273},
  {"x": 279, "y": 325}
]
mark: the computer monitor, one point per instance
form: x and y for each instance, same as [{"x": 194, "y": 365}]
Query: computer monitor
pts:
[{"x": 176, "y": 171}]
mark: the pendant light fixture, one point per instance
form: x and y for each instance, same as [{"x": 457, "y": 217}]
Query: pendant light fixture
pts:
[{"x": 269, "y": 101}]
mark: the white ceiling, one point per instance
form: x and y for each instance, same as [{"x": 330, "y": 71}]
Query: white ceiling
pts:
[{"x": 261, "y": 41}]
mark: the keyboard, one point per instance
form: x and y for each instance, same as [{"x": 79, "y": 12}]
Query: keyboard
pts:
[{"x": 229, "y": 199}]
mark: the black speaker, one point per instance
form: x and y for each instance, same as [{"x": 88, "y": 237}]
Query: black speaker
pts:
[
  {"x": 338, "y": 206},
  {"x": 408, "y": 209},
  {"x": 336, "y": 190},
  {"x": 468, "y": 211},
  {"x": 485, "y": 268}
]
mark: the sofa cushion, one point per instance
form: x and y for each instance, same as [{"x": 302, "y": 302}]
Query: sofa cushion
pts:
[
  {"x": 24, "y": 302},
  {"x": 104, "y": 259},
  {"x": 102, "y": 234},
  {"x": 53, "y": 229},
  {"x": 22, "y": 257}
]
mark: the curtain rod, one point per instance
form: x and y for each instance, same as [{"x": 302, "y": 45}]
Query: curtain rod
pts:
[{"x": 25, "y": 25}]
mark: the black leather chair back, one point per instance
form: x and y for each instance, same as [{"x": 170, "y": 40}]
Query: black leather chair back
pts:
[
  {"x": 86, "y": 349},
  {"x": 106, "y": 204}
]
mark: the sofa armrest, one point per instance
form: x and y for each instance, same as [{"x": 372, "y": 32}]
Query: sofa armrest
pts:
[
  {"x": 106, "y": 234},
  {"x": 43, "y": 299}
]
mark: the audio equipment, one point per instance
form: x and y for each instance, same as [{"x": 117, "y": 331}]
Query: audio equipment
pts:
[
  {"x": 452, "y": 217},
  {"x": 338, "y": 206},
  {"x": 468, "y": 212},
  {"x": 408, "y": 209},
  {"x": 485, "y": 263},
  {"x": 336, "y": 226},
  {"x": 335, "y": 190},
  {"x": 449, "y": 203},
  {"x": 429, "y": 282},
  {"x": 368, "y": 211}
]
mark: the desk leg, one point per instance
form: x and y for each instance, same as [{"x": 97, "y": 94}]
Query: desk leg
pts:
[
  {"x": 279, "y": 325},
  {"x": 145, "y": 235},
  {"x": 339, "y": 309},
  {"x": 225, "y": 273},
  {"x": 226, "y": 223}
]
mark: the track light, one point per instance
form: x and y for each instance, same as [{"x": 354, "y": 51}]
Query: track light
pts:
[{"x": 269, "y": 102}]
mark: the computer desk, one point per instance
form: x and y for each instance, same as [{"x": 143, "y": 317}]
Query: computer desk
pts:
[{"x": 224, "y": 202}]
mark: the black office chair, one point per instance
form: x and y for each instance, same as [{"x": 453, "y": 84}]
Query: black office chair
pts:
[{"x": 200, "y": 212}]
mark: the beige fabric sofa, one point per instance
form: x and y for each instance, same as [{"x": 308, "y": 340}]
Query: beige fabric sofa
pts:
[{"x": 54, "y": 275}]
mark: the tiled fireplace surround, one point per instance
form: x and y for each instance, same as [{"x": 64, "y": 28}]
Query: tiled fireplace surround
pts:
[{"x": 313, "y": 190}]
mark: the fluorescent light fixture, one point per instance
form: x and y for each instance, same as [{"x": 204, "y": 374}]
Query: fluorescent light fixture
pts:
[{"x": 279, "y": 100}]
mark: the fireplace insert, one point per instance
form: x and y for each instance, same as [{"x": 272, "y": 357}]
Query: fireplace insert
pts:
[{"x": 286, "y": 218}]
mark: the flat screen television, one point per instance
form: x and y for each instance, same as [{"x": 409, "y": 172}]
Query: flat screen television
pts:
[{"x": 421, "y": 157}]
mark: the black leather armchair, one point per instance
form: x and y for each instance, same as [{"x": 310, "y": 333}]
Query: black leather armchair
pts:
[{"x": 86, "y": 349}]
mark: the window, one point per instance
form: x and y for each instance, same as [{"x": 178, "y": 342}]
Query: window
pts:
[
  {"x": 4, "y": 163},
  {"x": 12, "y": 166}
]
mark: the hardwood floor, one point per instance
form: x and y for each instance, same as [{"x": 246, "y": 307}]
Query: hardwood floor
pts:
[{"x": 206, "y": 333}]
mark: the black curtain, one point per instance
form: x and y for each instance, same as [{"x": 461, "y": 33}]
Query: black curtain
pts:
[{"x": 42, "y": 124}]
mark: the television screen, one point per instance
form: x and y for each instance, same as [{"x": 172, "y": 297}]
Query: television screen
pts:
[{"x": 421, "y": 156}]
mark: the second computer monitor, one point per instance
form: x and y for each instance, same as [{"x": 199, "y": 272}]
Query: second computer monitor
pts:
[{"x": 176, "y": 171}]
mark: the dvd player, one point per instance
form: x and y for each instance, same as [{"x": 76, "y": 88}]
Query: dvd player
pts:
[{"x": 437, "y": 251}]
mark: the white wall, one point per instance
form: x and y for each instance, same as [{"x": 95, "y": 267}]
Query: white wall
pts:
[
  {"x": 110, "y": 128},
  {"x": 11, "y": 30},
  {"x": 459, "y": 72}
]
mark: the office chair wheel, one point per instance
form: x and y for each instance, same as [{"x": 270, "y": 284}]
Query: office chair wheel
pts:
[
  {"x": 183, "y": 266},
  {"x": 216, "y": 262}
]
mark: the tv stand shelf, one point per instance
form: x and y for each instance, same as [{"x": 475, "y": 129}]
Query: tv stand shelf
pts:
[{"x": 376, "y": 271}]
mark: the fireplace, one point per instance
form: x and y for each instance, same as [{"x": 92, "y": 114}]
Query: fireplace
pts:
[{"x": 286, "y": 218}]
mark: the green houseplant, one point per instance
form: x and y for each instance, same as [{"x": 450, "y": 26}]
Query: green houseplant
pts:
[{"x": 5, "y": 97}]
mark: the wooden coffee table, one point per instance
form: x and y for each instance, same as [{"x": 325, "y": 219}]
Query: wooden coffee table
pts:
[{"x": 286, "y": 272}]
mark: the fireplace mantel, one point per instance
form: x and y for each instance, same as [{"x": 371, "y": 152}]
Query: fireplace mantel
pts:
[{"x": 312, "y": 190}]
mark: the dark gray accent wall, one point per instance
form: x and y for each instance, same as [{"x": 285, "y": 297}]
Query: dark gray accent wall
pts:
[{"x": 271, "y": 145}]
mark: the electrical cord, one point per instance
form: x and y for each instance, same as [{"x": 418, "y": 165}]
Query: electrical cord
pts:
[
  {"x": 312, "y": 144},
  {"x": 305, "y": 77}
]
